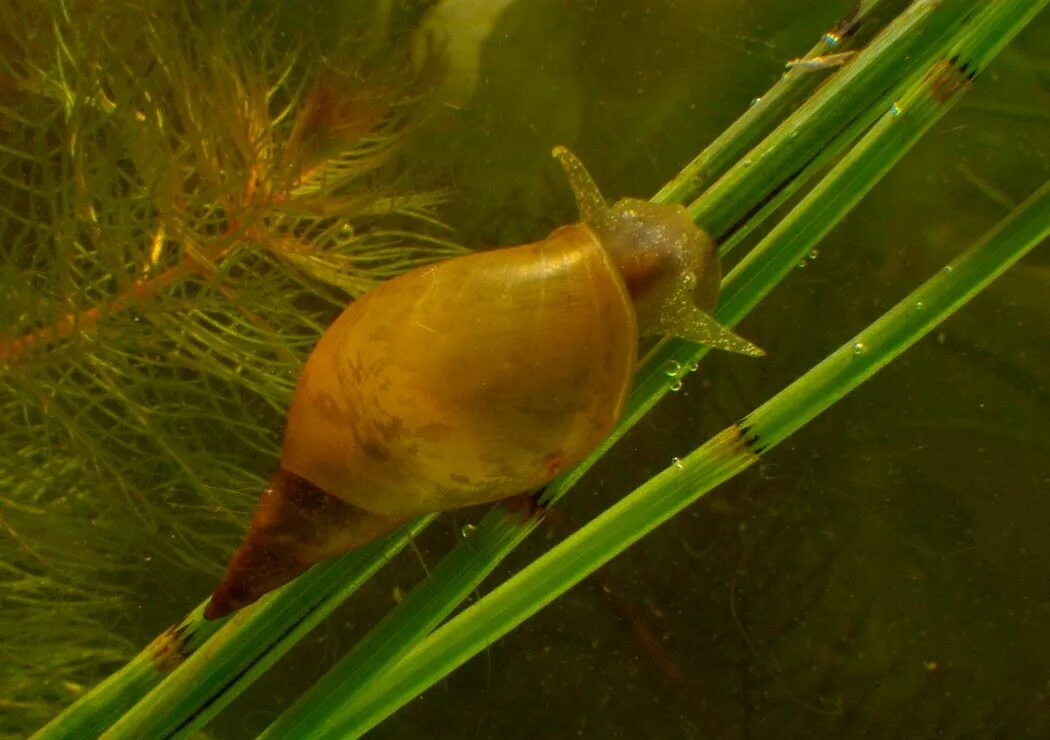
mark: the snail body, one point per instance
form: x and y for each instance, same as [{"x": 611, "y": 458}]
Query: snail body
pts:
[{"x": 473, "y": 380}]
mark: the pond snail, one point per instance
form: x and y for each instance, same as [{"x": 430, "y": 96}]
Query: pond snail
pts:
[{"x": 474, "y": 379}]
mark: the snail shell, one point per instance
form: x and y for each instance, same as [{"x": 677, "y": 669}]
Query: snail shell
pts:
[{"x": 473, "y": 380}]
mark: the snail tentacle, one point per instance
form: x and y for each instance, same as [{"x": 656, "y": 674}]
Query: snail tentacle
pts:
[
  {"x": 685, "y": 320},
  {"x": 594, "y": 210}
]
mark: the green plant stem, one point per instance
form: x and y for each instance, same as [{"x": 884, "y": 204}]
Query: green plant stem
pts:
[
  {"x": 776, "y": 256},
  {"x": 900, "y": 327},
  {"x": 974, "y": 47},
  {"x": 763, "y": 115},
  {"x": 90, "y": 715},
  {"x": 151, "y": 697},
  {"x": 911, "y": 42},
  {"x": 663, "y": 496}
]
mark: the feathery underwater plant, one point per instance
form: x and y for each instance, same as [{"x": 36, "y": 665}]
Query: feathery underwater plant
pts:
[{"x": 189, "y": 192}]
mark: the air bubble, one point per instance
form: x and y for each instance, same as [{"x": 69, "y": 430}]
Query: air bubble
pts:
[
  {"x": 895, "y": 110},
  {"x": 755, "y": 101},
  {"x": 675, "y": 386},
  {"x": 946, "y": 269},
  {"x": 813, "y": 254},
  {"x": 678, "y": 463},
  {"x": 859, "y": 347},
  {"x": 919, "y": 305},
  {"x": 673, "y": 368},
  {"x": 468, "y": 530}
]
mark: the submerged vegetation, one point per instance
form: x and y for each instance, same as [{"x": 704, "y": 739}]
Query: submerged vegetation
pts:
[
  {"x": 189, "y": 195},
  {"x": 192, "y": 191}
]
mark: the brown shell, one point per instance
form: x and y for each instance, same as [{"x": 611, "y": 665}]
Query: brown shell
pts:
[{"x": 467, "y": 381}]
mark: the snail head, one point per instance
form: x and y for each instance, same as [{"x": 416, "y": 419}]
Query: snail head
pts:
[{"x": 669, "y": 265}]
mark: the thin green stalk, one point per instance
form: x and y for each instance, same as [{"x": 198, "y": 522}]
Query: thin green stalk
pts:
[
  {"x": 911, "y": 42},
  {"x": 666, "y": 494},
  {"x": 792, "y": 239},
  {"x": 973, "y": 48},
  {"x": 106, "y": 702},
  {"x": 223, "y": 656},
  {"x": 765, "y": 112}
]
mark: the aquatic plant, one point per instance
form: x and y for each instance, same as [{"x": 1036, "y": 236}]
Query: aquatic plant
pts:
[
  {"x": 848, "y": 134},
  {"x": 189, "y": 195}
]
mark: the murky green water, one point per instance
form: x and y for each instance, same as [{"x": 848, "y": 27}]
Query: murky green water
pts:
[{"x": 881, "y": 574}]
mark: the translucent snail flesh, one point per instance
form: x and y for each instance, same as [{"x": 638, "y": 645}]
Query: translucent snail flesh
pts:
[{"x": 473, "y": 380}]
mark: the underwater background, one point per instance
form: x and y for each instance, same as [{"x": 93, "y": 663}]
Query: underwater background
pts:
[{"x": 881, "y": 574}]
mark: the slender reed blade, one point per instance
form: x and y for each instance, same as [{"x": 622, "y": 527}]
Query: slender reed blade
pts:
[
  {"x": 918, "y": 108},
  {"x": 764, "y": 114},
  {"x": 193, "y": 670},
  {"x": 914, "y": 39}
]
